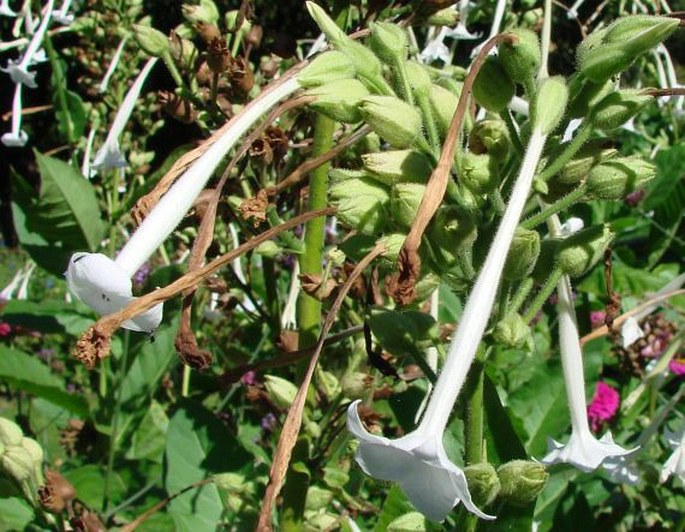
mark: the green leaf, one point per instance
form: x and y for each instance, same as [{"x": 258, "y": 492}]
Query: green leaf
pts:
[
  {"x": 38, "y": 316},
  {"x": 63, "y": 219},
  {"x": 88, "y": 481},
  {"x": 549, "y": 498},
  {"x": 15, "y": 513},
  {"x": 29, "y": 374},
  {"x": 396, "y": 505},
  {"x": 502, "y": 441},
  {"x": 71, "y": 121},
  {"x": 198, "y": 445},
  {"x": 539, "y": 408},
  {"x": 670, "y": 172},
  {"x": 404, "y": 333},
  {"x": 149, "y": 439}
]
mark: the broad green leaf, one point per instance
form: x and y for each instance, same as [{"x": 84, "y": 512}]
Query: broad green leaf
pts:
[
  {"x": 509, "y": 517},
  {"x": 670, "y": 172},
  {"x": 149, "y": 439},
  {"x": 503, "y": 444},
  {"x": 39, "y": 316},
  {"x": 15, "y": 512},
  {"x": 198, "y": 445},
  {"x": 395, "y": 506},
  {"x": 539, "y": 408},
  {"x": 549, "y": 498},
  {"x": 89, "y": 483},
  {"x": 64, "y": 218},
  {"x": 29, "y": 374}
]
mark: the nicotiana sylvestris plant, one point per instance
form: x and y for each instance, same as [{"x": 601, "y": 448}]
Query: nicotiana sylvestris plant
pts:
[
  {"x": 105, "y": 284},
  {"x": 418, "y": 461}
]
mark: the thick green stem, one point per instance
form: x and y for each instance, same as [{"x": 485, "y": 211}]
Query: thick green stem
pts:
[
  {"x": 543, "y": 295},
  {"x": 473, "y": 422},
  {"x": 521, "y": 295},
  {"x": 505, "y": 115},
  {"x": 429, "y": 123},
  {"x": 556, "y": 207},
  {"x": 308, "y": 308},
  {"x": 402, "y": 82},
  {"x": 571, "y": 149}
]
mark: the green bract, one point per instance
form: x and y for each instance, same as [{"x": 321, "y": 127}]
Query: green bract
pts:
[
  {"x": 391, "y": 167},
  {"x": 616, "y": 178},
  {"x": 393, "y": 119},
  {"x": 521, "y": 59},
  {"x": 523, "y": 254},
  {"x": 339, "y": 100},
  {"x": 389, "y": 42},
  {"x": 522, "y": 481},
  {"x": 550, "y": 104},
  {"x": 582, "y": 250},
  {"x": 361, "y": 202},
  {"x": 493, "y": 89},
  {"x": 618, "y": 107},
  {"x": 326, "y": 68},
  {"x": 152, "y": 41}
]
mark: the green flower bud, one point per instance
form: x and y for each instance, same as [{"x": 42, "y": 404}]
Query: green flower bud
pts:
[
  {"x": 405, "y": 199},
  {"x": 152, "y": 41},
  {"x": 206, "y": 12},
  {"x": 389, "y": 42},
  {"x": 183, "y": 51},
  {"x": 491, "y": 137},
  {"x": 617, "y": 108},
  {"x": 522, "y": 59},
  {"x": 511, "y": 331},
  {"x": 36, "y": 452},
  {"x": 326, "y": 68},
  {"x": 339, "y": 99},
  {"x": 532, "y": 18},
  {"x": 615, "y": 179},
  {"x": 588, "y": 156},
  {"x": 479, "y": 172},
  {"x": 281, "y": 391},
  {"x": 523, "y": 254},
  {"x": 616, "y": 47},
  {"x": 445, "y": 17},
  {"x": 492, "y": 88},
  {"x": 364, "y": 60},
  {"x": 268, "y": 249},
  {"x": 361, "y": 202},
  {"x": 10, "y": 432},
  {"x": 586, "y": 94},
  {"x": 419, "y": 79},
  {"x": 483, "y": 482},
  {"x": 452, "y": 228},
  {"x": 17, "y": 462},
  {"x": 231, "y": 21},
  {"x": 444, "y": 104},
  {"x": 550, "y": 104},
  {"x": 522, "y": 481},
  {"x": 582, "y": 250},
  {"x": 398, "y": 166},
  {"x": 393, "y": 119}
]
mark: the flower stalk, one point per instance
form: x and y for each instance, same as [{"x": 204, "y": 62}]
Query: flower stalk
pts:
[{"x": 17, "y": 137}]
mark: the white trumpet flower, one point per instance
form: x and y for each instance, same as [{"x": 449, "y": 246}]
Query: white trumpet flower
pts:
[
  {"x": 6, "y": 10},
  {"x": 105, "y": 284},
  {"x": 418, "y": 461},
  {"x": 18, "y": 70},
  {"x": 583, "y": 450},
  {"x": 17, "y": 137},
  {"x": 675, "y": 465},
  {"x": 109, "y": 155},
  {"x": 62, "y": 15}
]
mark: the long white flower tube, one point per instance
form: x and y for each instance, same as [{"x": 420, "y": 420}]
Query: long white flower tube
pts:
[
  {"x": 17, "y": 137},
  {"x": 6, "y": 10},
  {"x": 109, "y": 155},
  {"x": 112, "y": 66},
  {"x": 18, "y": 70},
  {"x": 418, "y": 461},
  {"x": 105, "y": 284}
]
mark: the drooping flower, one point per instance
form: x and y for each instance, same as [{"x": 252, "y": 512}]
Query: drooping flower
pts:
[
  {"x": 109, "y": 155},
  {"x": 604, "y": 405},
  {"x": 18, "y": 70},
  {"x": 418, "y": 461},
  {"x": 17, "y": 137},
  {"x": 582, "y": 450},
  {"x": 675, "y": 465},
  {"x": 105, "y": 284},
  {"x": 6, "y": 10}
]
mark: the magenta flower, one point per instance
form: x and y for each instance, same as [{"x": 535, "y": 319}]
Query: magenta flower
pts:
[
  {"x": 677, "y": 366},
  {"x": 5, "y": 329},
  {"x": 597, "y": 318},
  {"x": 604, "y": 405}
]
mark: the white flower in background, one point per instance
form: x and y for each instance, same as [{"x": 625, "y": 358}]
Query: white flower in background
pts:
[
  {"x": 7, "y": 293},
  {"x": 460, "y": 32},
  {"x": 417, "y": 461},
  {"x": 436, "y": 49},
  {"x": 573, "y": 10},
  {"x": 570, "y": 226},
  {"x": 583, "y": 450},
  {"x": 105, "y": 284},
  {"x": 5, "y": 9},
  {"x": 23, "y": 292},
  {"x": 630, "y": 332},
  {"x": 17, "y": 137},
  {"x": 62, "y": 15},
  {"x": 18, "y": 70},
  {"x": 112, "y": 65},
  {"x": 675, "y": 465},
  {"x": 109, "y": 155}
]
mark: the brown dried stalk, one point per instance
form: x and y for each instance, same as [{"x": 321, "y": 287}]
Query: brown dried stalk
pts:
[
  {"x": 604, "y": 330},
  {"x": 95, "y": 343},
  {"x": 293, "y": 421},
  {"x": 409, "y": 261}
]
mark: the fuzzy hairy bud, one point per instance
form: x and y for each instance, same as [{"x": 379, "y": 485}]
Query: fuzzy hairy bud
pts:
[
  {"x": 522, "y": 481},
  {"x": 615, "y": 179},
  {"x": 392, "y": 119},
  {"x": 523, "y": 254},
  {"x": 397, "y": 166},
  {"x": 389, "y": 42},
  {"x": 483, "y": 482},
  {"x": 578, "y": 253},
  {"x": 492, "y": 88},
  {"x": 326, "y": 68},
  {"x": 618, "y": 107},
  {"x": 339, "y": 100},
  {"x": 521, "y": 59},
  {"x": 550, "y": 104},
  {"x": 361, "y": 202}
]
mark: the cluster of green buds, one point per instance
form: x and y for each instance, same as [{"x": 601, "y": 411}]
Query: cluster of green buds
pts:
[
  {"x": 21, "y": 459},
  {"x": 517, "y": 483}
]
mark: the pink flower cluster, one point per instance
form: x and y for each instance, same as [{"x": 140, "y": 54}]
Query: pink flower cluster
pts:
[
  {"x": 677, "y": 365},
  {"x": 5, "y": 329},
  {"x": 604, "y": 405}
]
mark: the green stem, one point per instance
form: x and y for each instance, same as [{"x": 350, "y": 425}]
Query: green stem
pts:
[
  {"x": 308, "y": 308},
  {"x": 173, "y": 70},
  {"x": 465, "y": 261},
  {"x": 505, "y": 114},
  {"x": 571, "y": 149},
  {"x": 115, "y": 422},
  {"x": 473, "y": 422},
  {"x": 185, "y": 383},
  {"x": 402, "y": 82},
  {"x": 521, "y": 295},
  {"x": 272, "y": 302},
  {"x": 543, "y": 295},
  {"x": 59, "y": 84},
  {"x": 429, "y": 123},
  {"x": 556, "y": 207}
]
